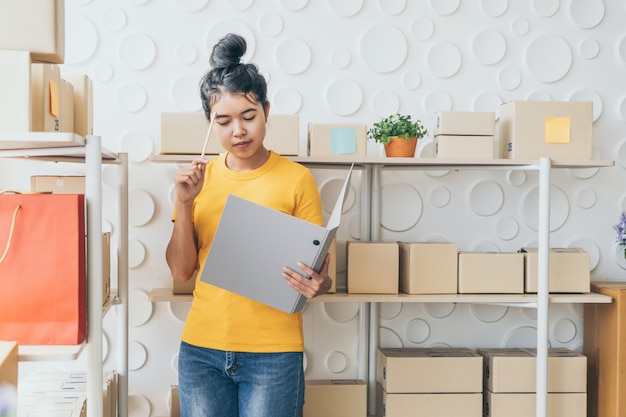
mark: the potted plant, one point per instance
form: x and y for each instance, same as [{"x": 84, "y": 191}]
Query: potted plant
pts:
[{"x": 398, "y": 133}]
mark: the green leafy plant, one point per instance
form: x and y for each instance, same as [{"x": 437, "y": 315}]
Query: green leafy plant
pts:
[{"x": 398, "y": 125}]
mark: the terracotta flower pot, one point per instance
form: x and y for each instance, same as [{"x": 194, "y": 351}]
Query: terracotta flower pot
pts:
[{"x": 400, "y": 147}]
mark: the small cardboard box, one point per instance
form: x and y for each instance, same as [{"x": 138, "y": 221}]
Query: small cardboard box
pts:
[
  {"x": 514, "y": 370},
  {"x": 341, "y": 139},
  {"x": 569, "y": 270},
  {"x": 83, "y": 103},
  {"x": 184, "y": 133},
  {"x": 557, "y": 129},
  {"x": 57, "y": 184},
  {"x": 604, "y": 344},
  {"x": 491, "y": 273},
  {"x": 46, "y": 97},
  {"x": 466, "y": 123},
  {"x": 335, "y": 398},
  {"x": 373, "y": 267},
  {"x": 524, "y": 404},
  {"x": 428, "y": 268},
  {"x": 8, "y": 377},
  {"x": 283, "y": 134},
  {"x": 174, "y": 401},
  {"x": 429, "y": 370},
  {"x": 466, "y": 147},
  {"x": 429, "y": 405},
  {"x": 15, "y": 100},
  {"x": 37, "y": 26},
  {"x": 66, "y": 101}
]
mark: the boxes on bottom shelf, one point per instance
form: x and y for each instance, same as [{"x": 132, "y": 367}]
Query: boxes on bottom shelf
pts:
[
  {"x": 8, "y": 377},
  {"x": 429, "y": 405},
  {"x": 514, "y": 370},
  {"x": 174, "y": 401},
  {"x": 429, "y": 370},
  {"x": 465, "y": 147},
  {"x": 569, "y": 270},
  {"x": 524, "y": 404},
  {"x": 604, "y": 344},
  {"x": 535, "y": 129},
  {"x": 335, "y": 398},
  {"x": 373, "y": 267},
  {"x": 342, "y": 139},
  {"x": 491, "y": 273},
  {"x": 428, "y": 268}
]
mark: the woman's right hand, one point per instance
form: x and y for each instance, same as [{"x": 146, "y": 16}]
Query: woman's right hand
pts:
[{"x": 189, "y": 181}]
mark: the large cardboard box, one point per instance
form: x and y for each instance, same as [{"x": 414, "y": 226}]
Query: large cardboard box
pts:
[
  {"x": 569, "y": 270},
  {"x": 429, "y": 370},
  {"x": 46, "y": 97},
  {"x": 525, "y": 404},
  {"x": 37, "y": 26},
  {"x": 283, "y": 134},
  {"x": 429, "y": 405},
  {"x": 515, "y": 370},
  {"x": 560, "y": 130},
  {"x": 338, "y": 139},
  {"x": 467, "y": 123},
  {"x": 604, "y": 344},
  {"x": 15, "y": 100},
  {"x": 373, "y": 267},
  {"x": 8, "y": 378},
  {"x": 491, "y": 273},
  {"x": 428, "y": 268},
  {"x": 83, "y": 103},
  {"x": 466, "y": 147},
  {"x": 335, "y": 398}
]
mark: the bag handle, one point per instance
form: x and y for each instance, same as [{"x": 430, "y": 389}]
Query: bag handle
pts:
[{"x": 6, "y": 249}]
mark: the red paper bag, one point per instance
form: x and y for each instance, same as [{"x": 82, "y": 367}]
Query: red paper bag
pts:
[{"x": 42, "y": 269}]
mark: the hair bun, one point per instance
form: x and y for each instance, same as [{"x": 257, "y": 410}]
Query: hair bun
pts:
[{"x": 228, "y": 51}]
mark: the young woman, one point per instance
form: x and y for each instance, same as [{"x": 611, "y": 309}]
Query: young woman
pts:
[{"x": 239, "y": 357}]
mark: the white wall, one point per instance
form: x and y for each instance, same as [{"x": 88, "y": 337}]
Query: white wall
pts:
[{"x": 357, "y": 61}]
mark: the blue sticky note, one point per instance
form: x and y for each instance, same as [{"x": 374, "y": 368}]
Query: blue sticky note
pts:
[{"x": 342, "y": 141}]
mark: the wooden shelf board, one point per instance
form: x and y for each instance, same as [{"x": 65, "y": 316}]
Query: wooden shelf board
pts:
[
  {"x": 51, "y": 146},
  {"x": 166, "y": 295}
]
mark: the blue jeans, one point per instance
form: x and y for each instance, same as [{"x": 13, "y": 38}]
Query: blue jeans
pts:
[{"x": 215, "y": 383}]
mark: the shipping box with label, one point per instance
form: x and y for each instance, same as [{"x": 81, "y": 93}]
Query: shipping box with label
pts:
[
  {"x": 337, "y": 140},
  {"x": 559, "y": 130},
  {"x": 273, "y": 240},
  {"x": 569, "y": 270}
]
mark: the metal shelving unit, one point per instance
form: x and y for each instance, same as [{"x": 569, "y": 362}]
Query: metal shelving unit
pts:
[{"x": 68, "y": 147}]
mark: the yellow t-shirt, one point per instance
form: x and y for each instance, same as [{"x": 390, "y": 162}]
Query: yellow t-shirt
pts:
[{"x": 223, "y": 320}]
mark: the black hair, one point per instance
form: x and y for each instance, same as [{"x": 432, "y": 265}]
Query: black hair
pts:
[{"x": 228, "y": 75}]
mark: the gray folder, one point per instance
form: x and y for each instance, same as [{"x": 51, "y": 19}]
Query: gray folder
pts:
[{"x": 252, "y": 243}]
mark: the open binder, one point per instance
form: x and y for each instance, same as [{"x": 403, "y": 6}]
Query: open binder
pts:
[{"x": 270, "y": 240}]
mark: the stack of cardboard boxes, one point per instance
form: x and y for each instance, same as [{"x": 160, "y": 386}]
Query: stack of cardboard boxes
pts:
[
  {"x": 464, "y": 134},
  {"x": 36, "y": 96}
]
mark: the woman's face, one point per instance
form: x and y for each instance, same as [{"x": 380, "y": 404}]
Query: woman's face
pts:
[{"x": 240, "y": 127}]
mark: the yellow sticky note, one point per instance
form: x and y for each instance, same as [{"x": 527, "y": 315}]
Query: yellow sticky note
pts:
[
  {"x": 54, "y": 98},
  {"x": 557, "y": 130}
]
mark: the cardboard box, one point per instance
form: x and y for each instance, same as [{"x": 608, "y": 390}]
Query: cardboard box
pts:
[
  {"x": 339, "y": 139},
  {"x": 428, "y": 268},
  {"x": 37, "y": 26},
  {"x": 604, "y": 344},
  {"x": 83, "y": 103},
  {"x": 534, "y": 129},
  {"x": 467, "y": 123},
  {"x": 106, "y": 267},
  {"x": 525, "y": 404},
  {"x": 569, "y": 270},
  {"x": 46, "y": 97},
  {"x": 514, "y": 370},
  {"x": 373, "y": 267},
  {"x": 8, "y": 377},
  {"x": 15, "y": 100},
  {"x": 429, "y": 370},
  {"x": 57, "y": 184},
  {"x": 491, "y": 273},
  {"x": 283, "y": 134},
  {"x": 66, "y": 102},
  {"x": 174, "y": 401},
  {"x": 335, "y": 398},
  {"x": 429, "y": 405},
  {"x": 186, "y": 287},
  {"x": 466, "y": 147}
]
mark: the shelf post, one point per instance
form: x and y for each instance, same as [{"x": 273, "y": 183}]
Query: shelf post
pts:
[
  {"x": 543, "y": 288},
  {"x": 93, "y": 200},
  {"x": 122, "y": 292}
]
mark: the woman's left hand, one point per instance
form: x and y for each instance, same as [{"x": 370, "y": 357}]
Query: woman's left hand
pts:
[{"x": 313, "y": 285}]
